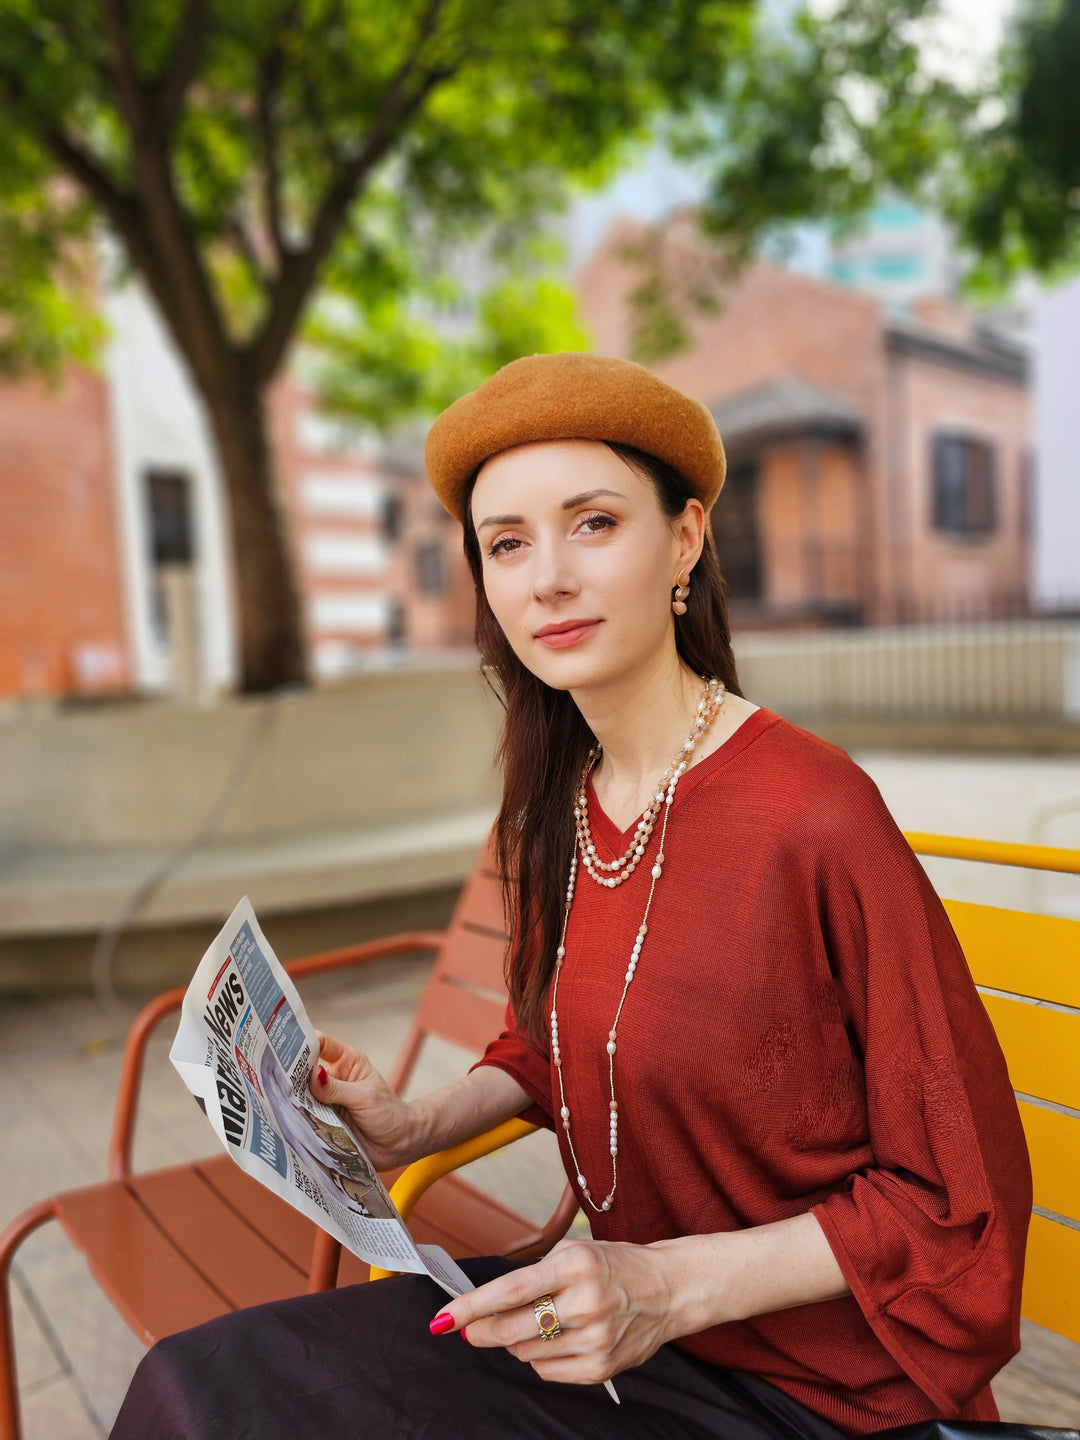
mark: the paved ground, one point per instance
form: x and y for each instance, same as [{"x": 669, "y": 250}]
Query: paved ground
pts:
[
  {"x": 1031, "y": 799},
  {"x": 59, "y": 1061}
]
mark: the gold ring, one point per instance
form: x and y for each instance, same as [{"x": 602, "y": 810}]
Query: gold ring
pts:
[{"x": 547, "y": 1317}]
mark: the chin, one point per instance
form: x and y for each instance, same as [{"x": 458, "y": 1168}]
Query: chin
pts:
[{"x": 573, "y": 672}]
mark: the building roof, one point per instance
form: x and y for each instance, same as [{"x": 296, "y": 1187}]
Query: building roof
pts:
[
  {"x": 783, "y": 408},
  {"x": 988, "y": 352}
]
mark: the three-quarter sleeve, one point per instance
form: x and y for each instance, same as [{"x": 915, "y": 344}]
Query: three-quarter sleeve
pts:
[
  {"x": 931, "y": 1237},
  {"x": 530, "y": 1067}
]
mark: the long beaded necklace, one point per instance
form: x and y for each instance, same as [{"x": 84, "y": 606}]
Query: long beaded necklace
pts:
[{"x": 617, "y": 871}]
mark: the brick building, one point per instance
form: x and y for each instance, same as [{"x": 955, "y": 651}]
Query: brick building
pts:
[
  {"x": 878, "y": 468},
  {"x": 115, "y": 564},
  {"x": 879, "y": 465},
  {"x": 61, "y": 601}
]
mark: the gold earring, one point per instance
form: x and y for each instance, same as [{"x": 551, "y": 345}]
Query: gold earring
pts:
[{"x": 682, "y": 594}]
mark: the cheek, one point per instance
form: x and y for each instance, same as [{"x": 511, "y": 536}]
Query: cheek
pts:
[
  {"x": 631, "y": 586},
  {"x": 507, "y": 593}
]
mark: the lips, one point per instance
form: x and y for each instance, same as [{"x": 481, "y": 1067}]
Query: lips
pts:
[{"x": 566, "y": 633}]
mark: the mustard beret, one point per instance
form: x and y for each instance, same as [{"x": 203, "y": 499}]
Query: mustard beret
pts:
[{"x": 573, "y": 397}]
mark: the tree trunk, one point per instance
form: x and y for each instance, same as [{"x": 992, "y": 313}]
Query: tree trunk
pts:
[{"x": 272, "y": 646}]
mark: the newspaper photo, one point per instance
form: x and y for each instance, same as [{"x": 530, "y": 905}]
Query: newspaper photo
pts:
[{"x": 245, "y": 1049}]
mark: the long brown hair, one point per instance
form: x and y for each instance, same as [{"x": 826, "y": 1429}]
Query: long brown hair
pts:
[{"x": 545, "y": 742}]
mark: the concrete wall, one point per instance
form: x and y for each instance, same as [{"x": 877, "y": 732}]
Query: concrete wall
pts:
[
  {"x": 382, "y": 750},
  {"x": 354, "y": 812}
]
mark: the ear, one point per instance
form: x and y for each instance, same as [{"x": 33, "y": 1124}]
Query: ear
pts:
[{"x": 690, "y": 535}]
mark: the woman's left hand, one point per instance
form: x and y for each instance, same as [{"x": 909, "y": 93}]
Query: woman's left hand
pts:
[{"x": 613, "y": 1301}]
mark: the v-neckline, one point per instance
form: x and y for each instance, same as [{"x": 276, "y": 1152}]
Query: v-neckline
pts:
[{"x": 604, "y": 827}]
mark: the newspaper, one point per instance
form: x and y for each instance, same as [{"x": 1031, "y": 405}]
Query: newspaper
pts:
[{"x": 245, "y": 1049}]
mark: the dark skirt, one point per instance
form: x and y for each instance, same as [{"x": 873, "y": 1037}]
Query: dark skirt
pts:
[{"x": 360, "y": 1364}]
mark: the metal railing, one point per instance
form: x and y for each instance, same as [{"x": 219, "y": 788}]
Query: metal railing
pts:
[{"x": 1025, "y": 669}]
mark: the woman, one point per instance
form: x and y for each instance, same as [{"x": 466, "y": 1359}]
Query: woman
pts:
[{"x": 734, "y": 996}]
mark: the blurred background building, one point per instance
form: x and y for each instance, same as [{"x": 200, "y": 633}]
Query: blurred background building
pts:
[{"x": 881, "y": 440}]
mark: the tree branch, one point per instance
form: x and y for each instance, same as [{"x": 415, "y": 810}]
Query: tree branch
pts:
[
  {"x": 301, "y": 266},
  {"x": 187, "y": 56},
  {"x": 236, "y": 228},
  {"x": 186, "y": 296},
  {"x": 123, "y": 210},
  {"x": 130, "y": 90},
  {"x": 269, "y": 82}
]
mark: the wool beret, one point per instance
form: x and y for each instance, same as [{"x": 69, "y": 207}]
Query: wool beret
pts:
[{"x": 573, "y": 397}]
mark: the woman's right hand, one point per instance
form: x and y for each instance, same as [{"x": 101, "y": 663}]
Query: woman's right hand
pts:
[{"x": 384, "y": 1123}]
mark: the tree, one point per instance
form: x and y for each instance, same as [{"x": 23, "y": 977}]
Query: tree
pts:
[
  {"x": 822, "y": 116},
  {"x": 250, "y": 155},
  {"x": 824, "y": 111}
]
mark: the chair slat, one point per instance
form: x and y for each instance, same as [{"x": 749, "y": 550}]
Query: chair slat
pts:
[
  {"x": 476, "y": 957},
  {"x": 154, "y": 1288},
  {"x": 481, "y": 895},
  {"x": 1037, "y": 955},
  {"x": 1054, "y": 1146},
  {"x": 237, "y": 1260},
  {"x": 285, "y": 1228},
  {"x": 352, "y": 1270},
  {"x": 1051, "y": 1295},
  {"x": 1041, "y": 1047},
  {"x": 481, "y": 904},
  {"x": 473, "y": 1222},
  {"x": 461, "y": 1016}
]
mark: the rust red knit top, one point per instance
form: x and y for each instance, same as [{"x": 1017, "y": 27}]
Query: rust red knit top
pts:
[{"x": 802, "y": 1033}]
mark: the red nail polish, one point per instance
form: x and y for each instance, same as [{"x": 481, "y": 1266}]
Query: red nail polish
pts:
[
  {"x": 441, "y": 1324},
  {"x": 322, "y": 1074},
  {"x": 464, "y": 1337}
]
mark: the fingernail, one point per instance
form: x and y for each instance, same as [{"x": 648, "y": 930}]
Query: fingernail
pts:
[
  {"x": 464, "y": 1337},
  {"x": 322, "y": 1074},
  {"x": 441, "y": 1324}
]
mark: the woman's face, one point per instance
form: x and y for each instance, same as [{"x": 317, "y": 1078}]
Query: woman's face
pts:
[{"x": 579, "y": 560}]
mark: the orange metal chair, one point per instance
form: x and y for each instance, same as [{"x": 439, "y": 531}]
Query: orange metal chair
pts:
[
  {"x": 1026, "y": 966},
  {"x": 174, "y": 1247}
]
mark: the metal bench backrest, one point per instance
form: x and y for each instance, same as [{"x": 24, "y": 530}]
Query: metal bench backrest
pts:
[
  {"x": 464, "y": 1001},
  {"x": 1027, "y": 968}
]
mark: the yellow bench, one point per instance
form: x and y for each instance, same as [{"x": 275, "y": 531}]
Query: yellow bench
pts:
[{"x": 1027, "y": 968}]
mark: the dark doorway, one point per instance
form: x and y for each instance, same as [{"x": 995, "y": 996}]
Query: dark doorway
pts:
[
  {"x": 172, "y": 544},
  {"x": 171, "y": 535},
  {"x": 737, "y": 532}
]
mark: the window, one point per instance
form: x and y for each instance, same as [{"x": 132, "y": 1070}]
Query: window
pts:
[
  {"x": 172, "y": 543},
  {"x": 431, "y": 567},
  {"x": 736, "y": 530},
  {"x": 393, "y": 515},
  {"x": 169, "y": 503},
  {"x": 964, "y": 481}
]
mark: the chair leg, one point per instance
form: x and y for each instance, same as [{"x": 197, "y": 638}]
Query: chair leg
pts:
[
  {"x": 10, "y": 1240},
  {"x": 325, "y": 1259}
]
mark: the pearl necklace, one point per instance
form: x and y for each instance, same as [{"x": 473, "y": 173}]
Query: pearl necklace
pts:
[{"x": 708, "y": 708}]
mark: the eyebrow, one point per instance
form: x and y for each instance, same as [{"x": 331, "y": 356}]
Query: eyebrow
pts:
[{"x": 571, "y": 504}]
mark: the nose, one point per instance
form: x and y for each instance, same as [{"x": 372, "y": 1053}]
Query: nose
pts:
[{"x": 553, "y": 574}]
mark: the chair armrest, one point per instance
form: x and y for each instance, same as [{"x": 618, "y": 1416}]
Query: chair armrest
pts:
[
  {"x": 995, "y": 852},
  {"x": 122, "y": 1138},
  {"x": 422, "y": 1174}
]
